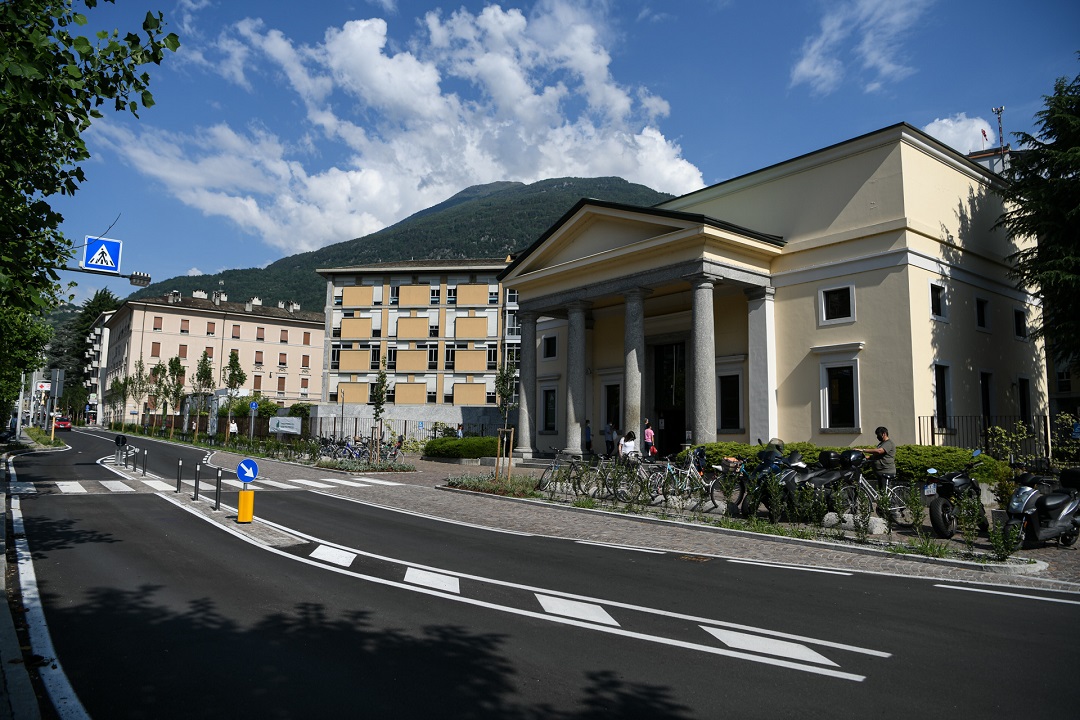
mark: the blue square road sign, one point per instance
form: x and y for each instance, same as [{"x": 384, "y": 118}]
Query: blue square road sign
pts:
[{"x": 101, "y": 254}]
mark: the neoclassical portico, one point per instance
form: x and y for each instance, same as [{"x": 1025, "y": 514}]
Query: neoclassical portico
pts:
[{"x": 661, "y": 276}]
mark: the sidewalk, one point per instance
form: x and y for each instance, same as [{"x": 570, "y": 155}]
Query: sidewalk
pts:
[{"x": 1059, "y": 568}]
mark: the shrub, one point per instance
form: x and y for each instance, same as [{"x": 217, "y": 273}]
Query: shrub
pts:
[
  {"x": 519, "y": 486},
  {"x": 470, "y": 447}
]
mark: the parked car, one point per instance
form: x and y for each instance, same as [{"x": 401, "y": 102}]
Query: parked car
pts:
[{"x": 62, "y": 423}]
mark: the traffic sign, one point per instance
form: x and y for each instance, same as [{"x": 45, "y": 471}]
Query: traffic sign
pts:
[
  {"x": 101, "y": 254},
  {"x": 247, "y": 470},
  {"x": 254, "y": 405}
]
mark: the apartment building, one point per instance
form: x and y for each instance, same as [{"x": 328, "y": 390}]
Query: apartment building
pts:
[
  {"x": 441, "y": 327},
  {"x": 280, "y": 348},
  {"x": 97, "y": 367}
]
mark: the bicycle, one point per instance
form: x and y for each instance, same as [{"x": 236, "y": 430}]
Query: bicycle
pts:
[
  {"x": 894, "y": 497},
  {"x": 564, "y": 474},
  {"x": 730, "y": 481}
]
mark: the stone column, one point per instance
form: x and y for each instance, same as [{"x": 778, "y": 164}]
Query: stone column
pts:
[
  {"x": 523, "y": 440},
  {"x": 703, "y": 362},
  {"x": 575, "y": 376},
  {"x": 634, "y": 367},
  {"x": 761, "y": 371}
]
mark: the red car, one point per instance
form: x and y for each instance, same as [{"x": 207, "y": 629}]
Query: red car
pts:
[{"x": 62, "y": 423}]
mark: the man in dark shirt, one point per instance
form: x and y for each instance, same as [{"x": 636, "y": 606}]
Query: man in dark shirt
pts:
[{"x": 883, "y": 457}]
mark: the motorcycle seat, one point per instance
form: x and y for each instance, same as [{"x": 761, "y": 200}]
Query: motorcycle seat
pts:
[{"x": 1053, "y": 501}]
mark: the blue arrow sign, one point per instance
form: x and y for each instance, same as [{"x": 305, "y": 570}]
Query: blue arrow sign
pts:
[
  {"x": 247, "y": 470},
  {"x": 101, "y": 254}
]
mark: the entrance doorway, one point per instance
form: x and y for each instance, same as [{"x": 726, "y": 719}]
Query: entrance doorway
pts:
[{"x": 669, "y": 396}]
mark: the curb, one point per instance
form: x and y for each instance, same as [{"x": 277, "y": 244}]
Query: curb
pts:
[{"x": 1028, "y": 566}]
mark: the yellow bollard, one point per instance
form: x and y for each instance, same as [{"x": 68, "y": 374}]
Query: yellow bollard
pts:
[{"x": 245, "y": 508}]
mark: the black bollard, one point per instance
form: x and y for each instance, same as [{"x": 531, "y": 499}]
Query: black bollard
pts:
[
  {"x": 179, "y": 473},
  {"x": 217, "y": 492},
  {"x": 198, "y": 471},
  {"x": 145, "y": 452}
]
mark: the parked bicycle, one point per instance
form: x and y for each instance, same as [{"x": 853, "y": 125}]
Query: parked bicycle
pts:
[{"x": 889, "y": 498}]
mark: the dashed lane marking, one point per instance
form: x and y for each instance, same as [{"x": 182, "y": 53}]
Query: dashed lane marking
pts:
[
  {"x": 589, "y": 612},
  {"x": 768, "y": 646},
  {"x": 446, "y": 583},
  {"x": 333, "y": 555}
]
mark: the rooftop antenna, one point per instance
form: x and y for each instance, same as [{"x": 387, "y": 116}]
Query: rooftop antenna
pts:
[{"x": 1001, "y": 135}]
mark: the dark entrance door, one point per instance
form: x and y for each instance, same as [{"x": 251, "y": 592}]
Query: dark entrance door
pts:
[{"x": 669, "y": 383}]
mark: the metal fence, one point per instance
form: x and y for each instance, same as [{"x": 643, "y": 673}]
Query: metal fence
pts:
[{"x": 971, "y": 431}]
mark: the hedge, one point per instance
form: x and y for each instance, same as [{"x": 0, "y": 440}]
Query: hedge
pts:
[{"x": 470, "y": 447}]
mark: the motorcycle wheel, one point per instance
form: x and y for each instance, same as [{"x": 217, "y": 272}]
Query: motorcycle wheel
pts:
[
  {"x": 943, "y": 518},
  {"x": 1068, "y": 540},
  {"x": 1019, "y": 526}
]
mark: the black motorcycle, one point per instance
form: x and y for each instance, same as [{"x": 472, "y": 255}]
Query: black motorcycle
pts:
[
  {"x": 949, "y": 488},
  {"x": 1043, "y": 508}
]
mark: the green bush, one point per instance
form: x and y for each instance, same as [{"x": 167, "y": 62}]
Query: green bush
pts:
[{"x": 470, "y": 447}]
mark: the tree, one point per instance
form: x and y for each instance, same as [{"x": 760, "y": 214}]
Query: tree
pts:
[
  {"x": 378, "y": 402},
  {"x": 201, "y": 387},
  {"x": 138, "y": 385},
  {"x": 117, "y": 397},
  {"x": 505, "y": 384},
  {"x": 174, "y": 387},
  {"x": 1043, "y": 216},
  {"x": 52, "y": 83},
  {"x": 233, "y": 376},
  {"x": 23, "y": 338},
  {"x": 158, "y": 389}
]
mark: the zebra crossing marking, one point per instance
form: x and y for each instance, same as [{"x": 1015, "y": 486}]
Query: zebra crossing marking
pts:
[
  {"x": 590, "y": 612},
  {"x": 275, "y": 483},
  {"x": 348, "y": 483},
  {"x": 333, "y": 555},
  {"x": 377, "y": 482},
  {"x": 159, "y": 485},
  {"x": 70, "y": 486},
  {"x": 117, "y": 486},
  {"x": 446, "y": 583},
  {"x": 311, "y": 483}
]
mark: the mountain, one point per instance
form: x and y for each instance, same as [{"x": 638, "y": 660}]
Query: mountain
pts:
[{"x": 482, "y": 221}]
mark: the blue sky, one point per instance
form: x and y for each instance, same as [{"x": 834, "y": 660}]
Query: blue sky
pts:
[{"x": 282, "y": 127}]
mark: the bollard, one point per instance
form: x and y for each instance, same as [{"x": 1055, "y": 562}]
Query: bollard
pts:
[
  {"x": 179, "y": 473},
  {"x": 145, "y": 452},
  {"x": 217, "y": 492},
  {"x": 245, "y": 506},
  {"x": 198, "y": 471}
]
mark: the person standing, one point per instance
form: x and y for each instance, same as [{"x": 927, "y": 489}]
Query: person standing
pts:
[
  {"x": 610, "y": 433},
  {"x": 628, "y": 444},
  {"x": 588, "y": 437},
  {"x": 649, "y": 439},
  {"x": 460, "y": 431}
]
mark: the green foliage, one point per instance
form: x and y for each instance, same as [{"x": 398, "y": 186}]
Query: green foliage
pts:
[
  {"x": 484, "y": 221},
  {"x": 1007, "y": 444},
  {"x": 378, "y": 393},
  {"x": 969, "y": 514},
  {"x": 505, "y": 381},
  {"x": 516, "y": 486},
  {"x": 300, "y": 410},
  {"x": 1002, "y": 541},
  {"x": 53, "y": 82},
  {"x": 1042, "y": 201},
  {"x": 470, "y": 447},
  {"x": 23, "y": 337}
]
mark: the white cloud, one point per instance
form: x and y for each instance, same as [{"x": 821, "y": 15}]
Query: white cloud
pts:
[
  {"x": 864, "y": 33},
  {"x": 963, "y": 134},
  {"x": 470, "y": 99},
  {"x": 194, "y": 272}
]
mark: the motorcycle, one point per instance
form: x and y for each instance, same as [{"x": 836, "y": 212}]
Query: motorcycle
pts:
[
  {"x": 1045, "y": 509},
  {"x": 948, "y": 488}
]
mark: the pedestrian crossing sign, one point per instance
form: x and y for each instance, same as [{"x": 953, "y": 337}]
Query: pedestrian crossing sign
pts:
[{"x": 101, "y": 254}]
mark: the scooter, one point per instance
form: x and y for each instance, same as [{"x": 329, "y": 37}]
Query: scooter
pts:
[
  {"x": 948, "y": 488},
  {"x": 1042, "y": 509}
]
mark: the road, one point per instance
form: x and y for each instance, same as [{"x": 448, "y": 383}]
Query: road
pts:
[{"x": 156, "y": 611}]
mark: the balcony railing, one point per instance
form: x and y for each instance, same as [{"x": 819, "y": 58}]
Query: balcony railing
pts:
[{"x": 970, "y": 431}]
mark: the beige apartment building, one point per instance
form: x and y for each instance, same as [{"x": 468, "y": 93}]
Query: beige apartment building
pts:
[
  {"x": 859, "y": 285},
  {"x": 280, "y": 348},
  {"x": 440, "y": 326}
]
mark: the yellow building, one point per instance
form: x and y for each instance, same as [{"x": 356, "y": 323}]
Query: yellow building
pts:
[
  {"x": 440, "y": 326},
  {"x": 860, "y": 285},
  {"x": 279, "y": 348}
]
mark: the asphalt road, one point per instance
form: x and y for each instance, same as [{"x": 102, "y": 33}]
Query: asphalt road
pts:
[{"x": 371, "y": 612}]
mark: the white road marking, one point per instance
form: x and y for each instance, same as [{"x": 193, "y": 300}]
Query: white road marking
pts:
[
  {"x": 446, "y": 583},
  {"x": 275, "y": 483},
  {"x": 159, "y": 485},
  {"x": 237, "y": 484},
  {"x": 620, "y": 547},
  {"x": 333, "y": 555},
  {"x": 70, "y": 486},
  {"x": 589, "y": 612},
  {"x": 23, "y": 488},
  {"x": 349, "y": 483},
  {"x": 1009, "y": 594},
  {"x": 116, "y": 486},
  {"x": 377, "y": 482},
  {"x": 768, "y": 646},
  {"x": 312, "y": 483},
  {"x": 789, "y": 567}
]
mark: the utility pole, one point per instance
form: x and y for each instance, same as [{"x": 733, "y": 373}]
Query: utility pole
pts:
[{"x": 1001, "y": 135}]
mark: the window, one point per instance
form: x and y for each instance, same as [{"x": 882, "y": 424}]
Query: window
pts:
[
  {"x": 1020, "y": 324},
  {"x": 281, "y": 387},
  {"x": 451, "y": 296},
  {"x": 185, "y": 327},
  {"x": 451, "y": 353},
  {"x": 431, "y": 398},
  {"x": 550, "y": 347},
  {"x": 335, "y": 356},
  {"x": 492, "y": 357},
  {"x": 1064, "y": 381},
  {"x": 283, "y": 359},
  {"x": 211, "y": 328},
  {"x": 432, "y": 356},
  {"x": 376, "y": 332},
  {"x": 1023, "y": 391},
  {"x": 938, "y": 308},
  {"x": 307, "y": 338},
  {"x": 284, "y": 336},
  {"x": 435, "y": 296},
  {"x": 157, "y": 323},
  {"x": 982, "y": 316},
  {"x": 433, "y": 330},
  {"x": 209, "y": 351},
  {"x": 303, "y": 387},
  {"x": 338, "y": 300},
  {"x": 942, "y": 389},
  {"x": 840, "y": 396},
  {"x": 395, "y": 293},
  {"x": 376, "y": 356},
  {"x": 305, "y": 361},
  {"x": 837, "y": 304},
  {"x": 511, "y": 296},
  {"x": 391, "y": 357},
  {"x": 182, "y": 352},
  {"x": 256, "y": 383},
  {"x": 258, "y": 357},
  {"x": 260, "y": 334},
  {"x": 549, "y": 407},
  {"x": 493, "y": 297},
  {"x": 235, "y": 332},
  {"x": 155, "y": 349},
  {"x": 511, "y": 353},
  {"x": 729, "y": 408}
]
